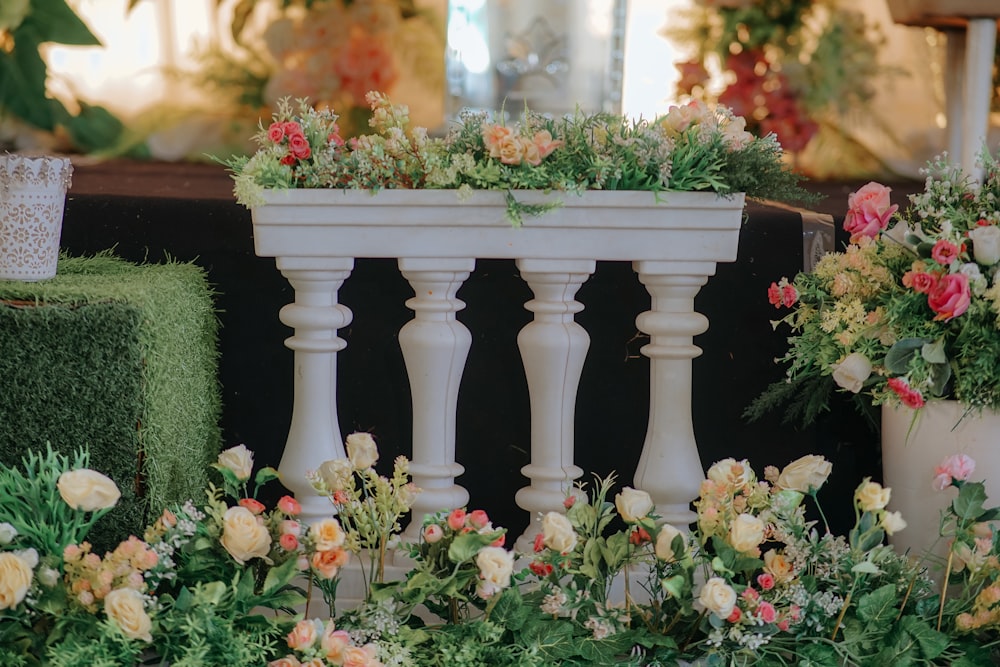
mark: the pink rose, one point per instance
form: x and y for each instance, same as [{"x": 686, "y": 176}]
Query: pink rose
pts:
[
  {"x": 950, "y": 297},
  {"x": 433, "y": 533},
  {"x": 288, "y": 542},
  {"x": 478, "y": 519},
  {"x": 275, "y": 132},
  {"x": 945, "y": 252},
  {"x": 765, "y": 580},
  {"x": 304, "y": 634},
  {"x": 255, "y": 506},
  {"x": 766, "y": 612},
  {"x": 868, "y": 211},
  {"x": 920, "y": 281},
  {"x": 298, "y": 146}
]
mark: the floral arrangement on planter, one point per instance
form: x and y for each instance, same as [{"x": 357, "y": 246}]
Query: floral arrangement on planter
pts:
[
  {"x": 692, "y": 148},
  {"x": 756, "y": 582},
  {"x": 909, "y": 312}
]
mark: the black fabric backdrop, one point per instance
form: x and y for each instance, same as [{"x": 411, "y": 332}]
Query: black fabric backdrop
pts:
[{"x": 147, "y": 211}]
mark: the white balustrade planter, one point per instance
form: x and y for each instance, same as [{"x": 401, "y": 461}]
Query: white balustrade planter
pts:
[{"x": 674, "y": 241}]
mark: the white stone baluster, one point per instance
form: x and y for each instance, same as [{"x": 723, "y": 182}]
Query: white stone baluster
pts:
[
  {"x": 435, "y": 346},
  {"x": 669, "y": 468},
  {"x": 553, "y": 348},
  {"x": 314, "y": 434}
]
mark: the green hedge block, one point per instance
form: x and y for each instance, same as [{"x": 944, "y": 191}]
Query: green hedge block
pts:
[{"x": 122, "y": 359}]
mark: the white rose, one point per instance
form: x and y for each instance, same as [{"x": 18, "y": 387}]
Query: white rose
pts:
[
  {"x": 872, "y": 496},
  {"x": 851, "y": 373},
  {"x": 29, "y": 556},
  {"x": 126, "y": 608},
  {"x": 243, "y": 536},
  {"x": 986, "y": 244},
  {"x": 893, "y": 522},
  {"x": 361, "y": 450},
  {"x": 558, "y": 533},
  {"x": 239, "y": 459},
  {"x": 718, "y": 597},
  {"x": 87, "y": 490},
  {"x": 7, "y": 533},
  {"x": 664, "y": 543},
  {"x": 48, "y": 576},
  {"x": 732, "y": 473},
  {"x": 746, "y": 532},
  {"x": 495, "y": 566},
  {"x": 15, "y": 579},
  {"x": 633, "y": 504},
  {"x": 808, "y": 472}
]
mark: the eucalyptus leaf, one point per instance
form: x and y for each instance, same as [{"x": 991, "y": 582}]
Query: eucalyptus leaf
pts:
[
  {"x": 933, "y": 352},
  {"x": 897, "y": 359}
]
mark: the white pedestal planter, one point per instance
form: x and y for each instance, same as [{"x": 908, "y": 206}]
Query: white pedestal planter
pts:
[
  {"x": 32, "y": 198},
  {"x": 910, "y": 455},
  {"x": 674, "y": 242}
]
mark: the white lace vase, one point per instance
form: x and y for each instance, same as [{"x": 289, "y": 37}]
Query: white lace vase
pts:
[{"x": 32, "y": 198}]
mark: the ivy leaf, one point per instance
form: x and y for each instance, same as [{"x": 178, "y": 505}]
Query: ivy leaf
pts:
[
  {"x": 932, "y": 643},
  {"x": 968, "y": 505},
  {"x": 879, "y": 605}
]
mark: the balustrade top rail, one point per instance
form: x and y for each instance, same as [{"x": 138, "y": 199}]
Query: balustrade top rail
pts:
[{"x": 603, "y": 225}]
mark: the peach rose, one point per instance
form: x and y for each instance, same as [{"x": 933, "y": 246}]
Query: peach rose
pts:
[
  {"x": 304, "y": 634},
  {"x": 360, "y": 656},
  {"x": 493, "y": 137},
  {"x": 777, "y": 565},
  {"x": 127, "y": 609},
  {"x": 334, "y": 642},
  {"x": 244, "y": 536},
  {"x": 327, "y": 534},
  {"x": 327, "y": 563},
  {"x": 87, "y": 490}
]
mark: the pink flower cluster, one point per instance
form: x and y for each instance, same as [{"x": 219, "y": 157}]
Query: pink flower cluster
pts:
[
  {"x": 290, "y": 134},
  {"x": 948, "y": 294},
  {"x": 460, "y": 521},
  {"x": 514, "y": 149},
  {"x": 320, "y": 644},
  {"x": 910, "y": 397},
  {"x": 782, "y": 293},
  {"x": 90, "y": 578},
  {"x": 955, "y": 468}
]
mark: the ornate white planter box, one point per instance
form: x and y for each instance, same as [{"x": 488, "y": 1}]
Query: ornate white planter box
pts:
[
  {"x": 609, "y": 225},
  {"x": 673, "y": 239}
]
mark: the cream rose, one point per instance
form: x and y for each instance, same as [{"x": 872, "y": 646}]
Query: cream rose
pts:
[
  {"x": 664, "y": 543},
  {"x": 361, "y": 450},
  {"x": 986, "y": 244},
  {"x": 15, "y": 579},
  {"x": 718, "y": 597},
  {"x": 335, "y": 473},
  {"x": 732, "y": 473},
  {"x": 803, "y": 474},
  {"x": 7, "y": 533},
  {"x": 87, "y": 490},
  {"x": 243, "y": 536},
  {"x": 633, "y": 504},
  {"x": 239, "y": 459},
  {"x": 558, "y": 533},
  {"x": 746, "y": 532},
  {"x": 327, "y": 534},
  {"x": 872, "y": 496},
  {"x": 495, "y": 565},
  {"x": 851, "y": 373},
  {"x": 126, "y": 608},
  {"x": 893, "y": 522}
]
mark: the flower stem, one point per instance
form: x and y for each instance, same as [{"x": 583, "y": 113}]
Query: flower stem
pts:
[
  {"x": 944, "y": 586},
  {"x": 843, "y": 610}
]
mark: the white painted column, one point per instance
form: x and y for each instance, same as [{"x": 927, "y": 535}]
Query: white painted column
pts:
[
  {"x": 435, "y": 346},
  {"x": 980, "y": 45},
  {"x": 669, "y": 468},
  {"x": 954, "y": 91},
  {"x": 553, "y": 348},
  {"x": 314, "y": 434}
]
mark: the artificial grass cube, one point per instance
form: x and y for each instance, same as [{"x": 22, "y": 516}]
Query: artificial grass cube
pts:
[{"x": 122, "y": 359}]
